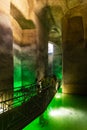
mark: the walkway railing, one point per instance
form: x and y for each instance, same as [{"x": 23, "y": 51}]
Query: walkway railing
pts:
[
  {"x": 19, "y": 106},
  {"x": 13, "y": 97}
]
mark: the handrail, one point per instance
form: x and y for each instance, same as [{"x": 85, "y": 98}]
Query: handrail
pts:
[
  {"x": 11, "y": 88},
  {"x": 11, "y": 97},
  {"x": 23, "y": 95}
]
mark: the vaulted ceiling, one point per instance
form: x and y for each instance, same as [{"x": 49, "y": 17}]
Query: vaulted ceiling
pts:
[{"x": 24, "y": 11}]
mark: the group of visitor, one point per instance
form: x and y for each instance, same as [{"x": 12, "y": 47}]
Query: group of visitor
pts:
[{"x": 46, "y": 82}]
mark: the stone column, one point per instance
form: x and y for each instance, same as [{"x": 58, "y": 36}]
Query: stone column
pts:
[
  {"x": 6, "y": 56},
  {"x": 42, "y": 44},
  {"x": 74, "y": 56},
  {"x": 6, "y": 40}
]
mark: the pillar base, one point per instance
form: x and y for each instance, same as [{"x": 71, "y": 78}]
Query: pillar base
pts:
[{"x": 74, "y": 89}]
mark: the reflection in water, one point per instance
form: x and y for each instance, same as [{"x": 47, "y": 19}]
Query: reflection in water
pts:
[
  {"x": 42, "y": 120},
  {"x": 65, "y": 112}
]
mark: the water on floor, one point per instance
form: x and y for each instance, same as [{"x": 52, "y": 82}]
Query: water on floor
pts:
[{"x": 65, "y": 112}]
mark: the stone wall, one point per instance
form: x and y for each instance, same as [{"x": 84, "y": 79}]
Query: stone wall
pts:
[
  {"x": 6, "y": 49},
  {"x": 75, "y": 50}
]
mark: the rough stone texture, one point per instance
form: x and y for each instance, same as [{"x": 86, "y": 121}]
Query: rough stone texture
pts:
[
  {"x": 45, "y": 16},
  {"x": 20, "y": 18},
  {"x": 17, "y": 31},
  {"x": 24, "y": 56},
  {"x": 57, "y": 61},
  {"x": 29, "y": 36},
  {"x": 6, "y": 60},
  {"x": 74, "y": 52},
  {"x": 5, "y": 6},
  {"x": 23, "y": 6},
  {"x": 73, "y": 3},
  {"x": 6, "y": 39},
  {"x": 24, "y": 64},
  {"x": 42, "y": 47}
]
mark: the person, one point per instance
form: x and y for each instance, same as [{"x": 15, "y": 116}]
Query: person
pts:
[
  {"x": 38, "y": 86},
  {"x": 53, "y": 81},
  {"x": 56, "y": 83},
  {"x": 43, "y": 82},
  {"x": 59, "y": 83}
]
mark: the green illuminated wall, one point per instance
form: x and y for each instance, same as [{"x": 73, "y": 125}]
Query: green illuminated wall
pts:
[
  {"x": 57, "y": 61},
  {"x": 24, "y": 70},
  {"x": 17, "y": 72},
  {"x": 57, "y": 67},
  {"x": 24, "y": 66},
  {"x": 28, "y": 66}
]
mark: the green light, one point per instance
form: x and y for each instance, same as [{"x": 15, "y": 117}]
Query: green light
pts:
[
  {"x": 57, "y": 95},
  {"x": 54, "y": 113},
  {"x": 58, "y": 112},
  {"x": 24, "y": 75},
  {"x": 17, "y": 72},
  {"x": 69, "y": 114}
]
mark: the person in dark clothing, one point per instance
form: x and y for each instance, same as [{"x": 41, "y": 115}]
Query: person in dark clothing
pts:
[{"x": 38, "y": 86}]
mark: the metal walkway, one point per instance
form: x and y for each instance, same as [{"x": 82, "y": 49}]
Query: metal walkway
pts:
[{"x": 20, "y": 106}]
